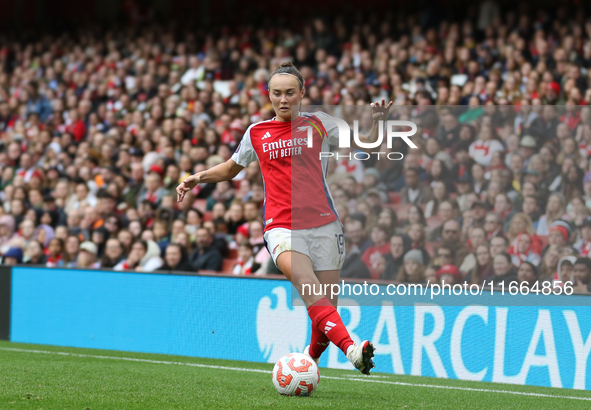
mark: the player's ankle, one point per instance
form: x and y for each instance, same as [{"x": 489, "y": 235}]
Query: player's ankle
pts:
[{"x": 349, "y": 349}]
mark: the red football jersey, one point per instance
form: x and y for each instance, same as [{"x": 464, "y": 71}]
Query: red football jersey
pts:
[{"x": 296, "y": 193}]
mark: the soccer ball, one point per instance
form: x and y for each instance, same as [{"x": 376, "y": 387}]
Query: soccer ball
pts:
[{"x": 296, "y": 374}]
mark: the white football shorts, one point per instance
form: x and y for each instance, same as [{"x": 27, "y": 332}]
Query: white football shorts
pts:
[{"x": 324, "y": 245}]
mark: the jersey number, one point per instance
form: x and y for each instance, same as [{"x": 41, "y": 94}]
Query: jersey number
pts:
[{"x": 340, "y": 243}]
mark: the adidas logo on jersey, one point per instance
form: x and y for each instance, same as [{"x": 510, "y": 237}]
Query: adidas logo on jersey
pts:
[
  {"x": 329, "y": 326},
  {"x": 267, "y": 135}
]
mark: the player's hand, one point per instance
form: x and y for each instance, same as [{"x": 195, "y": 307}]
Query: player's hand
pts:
[
  {"x": 185, "y": 186},
  {"x": 380, "y": 111}
]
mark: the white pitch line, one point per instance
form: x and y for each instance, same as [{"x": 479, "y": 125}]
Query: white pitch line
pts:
[{"x": 366, "y": 380}]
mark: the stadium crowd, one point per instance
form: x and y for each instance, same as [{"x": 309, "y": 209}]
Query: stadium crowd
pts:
[{"x": 98, "y": 128}]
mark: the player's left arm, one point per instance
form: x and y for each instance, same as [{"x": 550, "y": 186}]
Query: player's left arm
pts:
[{"x": 379, "y": 113}]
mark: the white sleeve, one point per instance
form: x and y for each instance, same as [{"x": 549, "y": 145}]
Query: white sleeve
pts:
[
  {"x": 245, "y": 153},
  {"x": 152, "y": 264},
  {"x": 331, "y": 127}
]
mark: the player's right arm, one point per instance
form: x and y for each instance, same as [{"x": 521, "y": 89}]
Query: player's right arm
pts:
[{"x": 222, "y": 172}]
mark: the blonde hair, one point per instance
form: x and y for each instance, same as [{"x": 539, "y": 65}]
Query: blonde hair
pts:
[
  {"x": 551, "y": 217},
  {"x": 529, "y": 229}
]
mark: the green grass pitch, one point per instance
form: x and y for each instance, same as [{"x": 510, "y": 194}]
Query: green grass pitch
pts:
[{"x": 52, "y": 377}]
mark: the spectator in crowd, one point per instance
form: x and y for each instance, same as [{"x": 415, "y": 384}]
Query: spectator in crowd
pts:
[
  {"x": 447, "y": 211},
  {"x": 479, "y": 180},
  {"x": 531, "y": 208},
  {"x": 353, "y": 265},
  {"x": 498, "y": 244},
  {"x": 416, "y": 233},
  {"x": 7, "y": 226},
  {"x": 565, "y": 269},
  {"x": 504, "y": 272},
  {"x": 175, "y": 259},
  {"x": 524, "y": 250},
  {"x": 34, "y": 254},
  {"x": 560, "y": 232},
  {"x": 483, "y": 148},
  {"x": 522, "y": 224},
  {"x": 143, "y": 257},
  {"x": 400, "y": 244},
  {"x": 114, "y": 253},
  {"x": 415, "y": 214},
  {"x": 493, "y": 224},
  {"x": 443, "y": 256},
  {"x": 527, "y": 273},
  {"x": 439, "y": 194},
  {"x": 13, "y": 256},
  {"x": 245, "y": 264},
  {"x": 483, "y": 268},
  {"x": 527, "y": 149},
  {"x": 503, "y": 207},
  {"x": 549, "y": 266},
  {"x": 235, "y": 217},
  {"x": 55, "y": 257},
  {"x": 372, "y": 183},
  {"x": 87, "y": 257},
  {"x": 389, "y": 219},
  {"x": 413, "y": 268},
  {"x": 583, "y": 245},
  {"x": 364, "y": 207},
  {"x": 415, "y": 192},
  {"x": 448, "y": 275},
  {"x": 582, "y": 275},
  {"x": 479, "y": 212},
  {"x": 206, "y": 256},
  {"x": 451, "y": 238},
  {"x": 72, "y": 248},
  {"x": 355, "y": 228},
  {"x": 477, "y": 238},
  {"x": 556, "y": 209},
  {"x": 381, "y": 246}
]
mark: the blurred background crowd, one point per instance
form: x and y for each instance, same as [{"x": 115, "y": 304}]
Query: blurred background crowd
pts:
[{"x": 99, "y": 125}]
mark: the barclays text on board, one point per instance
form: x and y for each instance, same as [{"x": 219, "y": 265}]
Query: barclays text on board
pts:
[{"x": 183, "y": 315}]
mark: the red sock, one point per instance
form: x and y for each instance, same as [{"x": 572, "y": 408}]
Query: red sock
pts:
[
  {"x": 328, "y": 322},
  {"x": 318, "y": 342}
]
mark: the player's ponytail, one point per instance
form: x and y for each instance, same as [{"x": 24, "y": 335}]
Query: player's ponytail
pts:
[{"x": 287, "y": 68}]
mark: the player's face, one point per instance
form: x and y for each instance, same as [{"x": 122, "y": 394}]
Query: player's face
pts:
[{"x": 284, "y": 91}]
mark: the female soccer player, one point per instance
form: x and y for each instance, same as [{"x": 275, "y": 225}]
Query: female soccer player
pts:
[{"x": 302, "y": 231}]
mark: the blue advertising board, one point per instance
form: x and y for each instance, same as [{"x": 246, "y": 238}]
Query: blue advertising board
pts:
[{"x": 253, "y": 320}]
